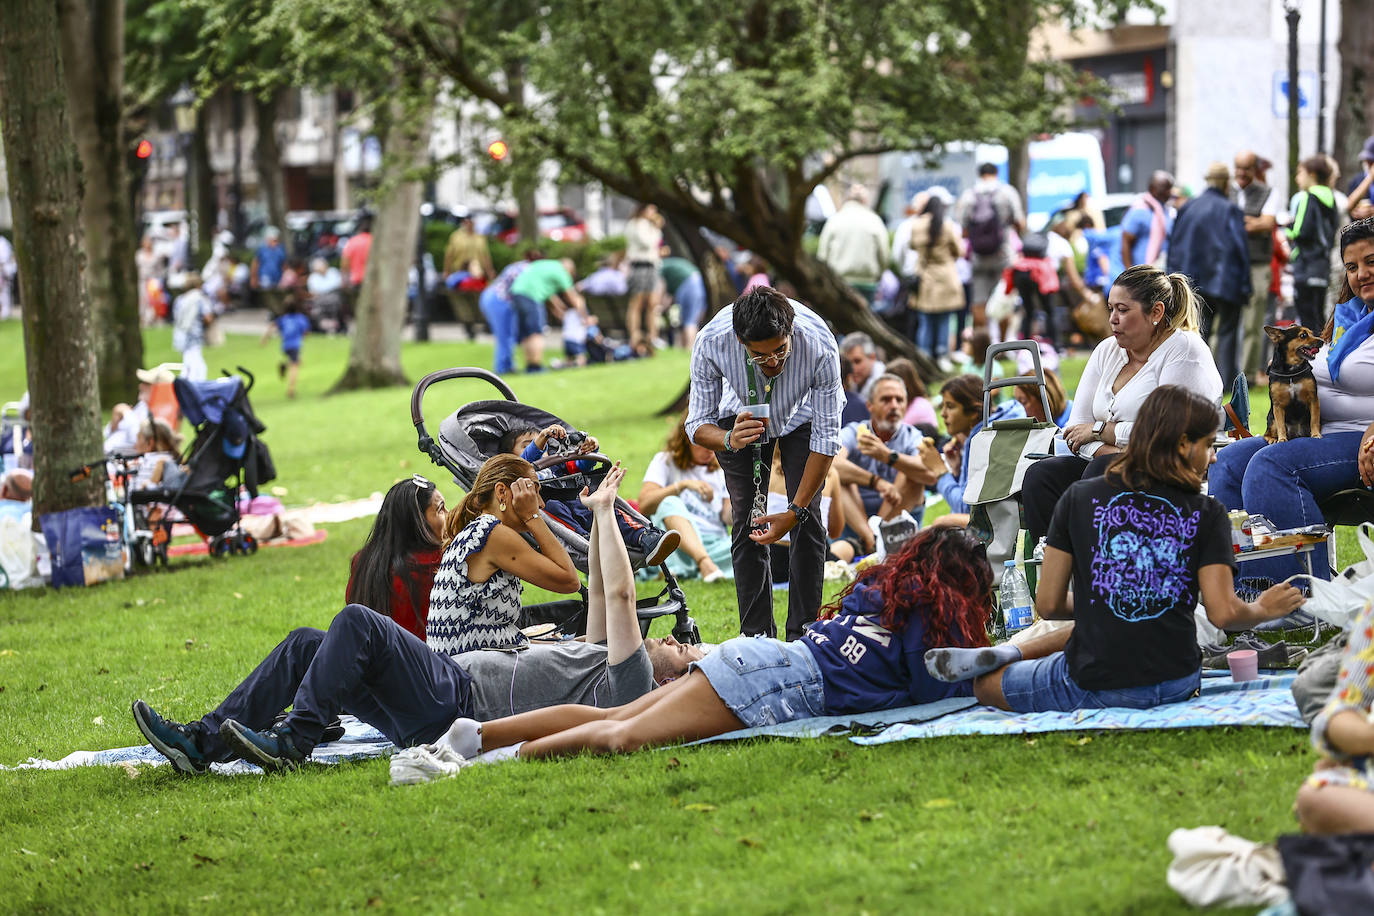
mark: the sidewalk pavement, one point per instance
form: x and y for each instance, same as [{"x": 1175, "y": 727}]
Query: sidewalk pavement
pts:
[{"x": 254, "y": 322}]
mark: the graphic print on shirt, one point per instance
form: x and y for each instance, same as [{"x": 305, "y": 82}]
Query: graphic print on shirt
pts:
[{"x": 1139, "y": 565}]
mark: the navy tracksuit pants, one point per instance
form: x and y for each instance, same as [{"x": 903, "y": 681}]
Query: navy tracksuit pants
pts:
[{"x": 364, "y": 665}]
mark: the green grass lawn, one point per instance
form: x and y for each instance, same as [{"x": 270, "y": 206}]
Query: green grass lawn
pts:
[{"x": 1052, "y": 823}]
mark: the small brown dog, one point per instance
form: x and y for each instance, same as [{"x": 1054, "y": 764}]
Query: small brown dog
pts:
[{"x": 1293, "y": 408}]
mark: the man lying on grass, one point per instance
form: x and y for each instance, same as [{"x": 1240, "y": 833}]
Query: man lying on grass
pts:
[
  {"x": 368, "y": 666},
  {"x": 866, "y": 655}
]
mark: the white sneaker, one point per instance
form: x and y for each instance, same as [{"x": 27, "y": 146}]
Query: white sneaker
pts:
[{"x": 425, "y": 763}]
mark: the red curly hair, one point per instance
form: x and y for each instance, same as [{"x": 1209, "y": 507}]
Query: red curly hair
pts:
[{"x": 941, "y": 574}]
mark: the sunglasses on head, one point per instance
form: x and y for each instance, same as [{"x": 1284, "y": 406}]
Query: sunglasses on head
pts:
[{"x": 421, "y": 483}]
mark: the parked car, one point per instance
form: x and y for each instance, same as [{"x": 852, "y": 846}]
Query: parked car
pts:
[{"x": 561, "y": 224}]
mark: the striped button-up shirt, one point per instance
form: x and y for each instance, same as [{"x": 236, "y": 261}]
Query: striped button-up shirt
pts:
[{"x": 807, "y": 390}]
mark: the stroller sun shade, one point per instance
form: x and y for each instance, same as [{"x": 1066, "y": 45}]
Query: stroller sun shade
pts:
[
  {"x": 472, "y": 434},
  {"x": 212, "y": 402}
]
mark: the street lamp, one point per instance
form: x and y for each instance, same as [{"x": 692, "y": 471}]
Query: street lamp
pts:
[
  {"x": 184, "y": 112},
  {"x": 1291, "y": 8}
]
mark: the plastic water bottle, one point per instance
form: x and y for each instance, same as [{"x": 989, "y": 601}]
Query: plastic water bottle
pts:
[{"x": 1015, "y": 604}]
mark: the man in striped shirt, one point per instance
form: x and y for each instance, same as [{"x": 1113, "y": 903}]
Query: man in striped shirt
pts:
[{"x": 766, "y": 370}]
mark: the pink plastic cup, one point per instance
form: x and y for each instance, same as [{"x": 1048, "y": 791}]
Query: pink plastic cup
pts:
[{"x": 1244, "y": 664}]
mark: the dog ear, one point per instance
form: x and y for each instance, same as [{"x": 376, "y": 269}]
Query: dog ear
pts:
[{"x": 1275, "y": 334}]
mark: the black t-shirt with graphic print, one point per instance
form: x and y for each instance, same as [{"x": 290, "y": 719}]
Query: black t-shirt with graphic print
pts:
[{"x": 1136, "y": 556}]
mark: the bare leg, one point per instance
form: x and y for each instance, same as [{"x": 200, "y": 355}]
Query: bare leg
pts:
[
  {"x": 988, "y": 688},
  {"x": 690, "y": 712},
  {"x": 596, "y": 591},
  {"x": 634, "y": 317},
  {"x": 1335, "y": 809},
  {"x": 842, "y": 550},
  {"x": 691, "y": 542},
  {"x": 293, "y": 371},
  {"x": 852, "y": 507},
  {"x": 540, "y": 723},
  {"x": 910, "y": 495},
  {"x": 534, "y": 350}
]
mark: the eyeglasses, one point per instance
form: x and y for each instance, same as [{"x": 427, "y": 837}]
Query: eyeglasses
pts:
[
  {"x": 772, "y": 359},
  {"x": 421, "y": 483}
]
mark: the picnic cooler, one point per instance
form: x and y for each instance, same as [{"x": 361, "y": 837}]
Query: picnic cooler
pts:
[{"x": 999, "y": 455}]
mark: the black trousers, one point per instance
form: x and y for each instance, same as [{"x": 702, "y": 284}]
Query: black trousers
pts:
[
  {"x": 1047, "y": 479},
  {"x": 1310, "y": 304},
  {"x": 753, "y": 577},
  {"x": 365, "y": 665},
  {"x": 1223, "y": 316}
]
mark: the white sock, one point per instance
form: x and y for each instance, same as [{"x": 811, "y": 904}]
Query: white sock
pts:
[
  {"x": 465, "y": 737},
  {"x": 501, "y": 754}
]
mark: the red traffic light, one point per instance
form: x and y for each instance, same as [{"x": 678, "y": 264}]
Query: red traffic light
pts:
[
  {"x": 144, "y": 150},
  {"x": 498, "y": 150}
]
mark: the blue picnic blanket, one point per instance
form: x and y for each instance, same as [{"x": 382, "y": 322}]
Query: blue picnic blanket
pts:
[{"x": 1267, "y": 701}]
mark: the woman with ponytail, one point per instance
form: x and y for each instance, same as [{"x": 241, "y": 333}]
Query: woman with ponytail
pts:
[
  {"x": 475, "y": 602},
  {"x": 1154, "y": 322}
]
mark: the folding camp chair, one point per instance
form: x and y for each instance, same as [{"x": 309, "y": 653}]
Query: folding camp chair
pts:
[{"x": 998, "y": 457}]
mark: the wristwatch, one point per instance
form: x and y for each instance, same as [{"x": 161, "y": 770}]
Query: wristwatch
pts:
[
  {"x": 801, "y": 512},
  {"x": 892, "y": 458},
  {"x": 1097, "y": 430}
]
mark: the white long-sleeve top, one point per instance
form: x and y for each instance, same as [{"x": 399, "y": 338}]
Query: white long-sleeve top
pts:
[
  {"x": 643, "y": 239},
  {"x": 1183, "y": 359}
]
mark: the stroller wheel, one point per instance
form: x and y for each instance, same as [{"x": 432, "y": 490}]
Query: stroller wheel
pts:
[
  {"x": 147, "y": 553},
  {"x": 219, "y": 546},
  {"x": 250, "y": 544}
]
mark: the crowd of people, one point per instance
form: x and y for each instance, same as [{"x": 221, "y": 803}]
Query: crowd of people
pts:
[{"x": 798, "y": 448}]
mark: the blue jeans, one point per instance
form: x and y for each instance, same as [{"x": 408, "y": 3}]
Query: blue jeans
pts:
[
  {"x": 530, "y": 316},
  {"x": 1283, "y": 482},
  {"x": 365, "y": 665},
  {"x": 691, "y": 300},
  {"x": 1045, "y": 685},
  {"x": 500, "y": 315},
  {"x": 932, "y": 332}
]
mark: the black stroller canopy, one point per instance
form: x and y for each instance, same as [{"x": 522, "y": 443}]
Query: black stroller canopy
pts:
[{"x": 472, "y": 434}]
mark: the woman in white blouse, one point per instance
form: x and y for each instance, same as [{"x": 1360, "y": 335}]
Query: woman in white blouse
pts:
[
  {"x": 1154, "y": 322},
  {"x": 644, "y": 251}
]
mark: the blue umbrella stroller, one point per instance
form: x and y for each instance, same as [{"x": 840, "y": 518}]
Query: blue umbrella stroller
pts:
[{"x": 471, "y": 435}]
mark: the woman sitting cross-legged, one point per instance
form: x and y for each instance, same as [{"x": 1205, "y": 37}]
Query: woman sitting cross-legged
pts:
[
  {"x": 1140, "y": 543},
  {"x": 394, "y": 571},
  {"x": 866, "y": 655},
  {"x": 475, "y": 601}
]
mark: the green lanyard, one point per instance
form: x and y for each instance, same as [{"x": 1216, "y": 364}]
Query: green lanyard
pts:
[{"x": 760, "y": 508}]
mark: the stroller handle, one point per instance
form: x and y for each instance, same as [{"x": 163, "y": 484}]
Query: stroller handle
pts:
[
  {"x": 1038, "y": 378},
  {"x": 417, "y": 416}
]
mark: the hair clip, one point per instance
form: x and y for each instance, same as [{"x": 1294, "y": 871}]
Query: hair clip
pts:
[{"x": 420, "y": 482}]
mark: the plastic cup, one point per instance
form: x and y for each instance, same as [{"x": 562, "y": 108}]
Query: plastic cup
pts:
[{"x": 1244, "y": 664}]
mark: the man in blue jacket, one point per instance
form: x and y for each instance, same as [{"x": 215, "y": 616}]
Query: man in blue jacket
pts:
[{"x": 1209, "y": 245}]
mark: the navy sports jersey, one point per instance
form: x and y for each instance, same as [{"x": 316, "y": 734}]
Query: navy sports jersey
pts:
[{"x": 865, "y": 666}]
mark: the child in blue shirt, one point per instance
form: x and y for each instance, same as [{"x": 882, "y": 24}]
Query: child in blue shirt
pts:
[{"x": 292, "y": 325}]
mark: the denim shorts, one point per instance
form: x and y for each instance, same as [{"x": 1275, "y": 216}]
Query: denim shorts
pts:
[
  {"x": 691, "y": 300},
  {"x": 1044, "y": 685},
  {"x": 530, "y": 317},
  {"x": 764, "y": 681}
]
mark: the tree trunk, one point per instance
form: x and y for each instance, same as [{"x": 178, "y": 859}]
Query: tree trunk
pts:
[
  {"x": 1355, "y": 102},
  {"x": 374, "y": 358},
  {"x": 204, "y": 199},
  {"x": 93, "y": 54},
  {"x": 267, "y": 160},
  {"x": 1018, "y": 168},
  {"x": 525, "y": 174},
  {"x": 45, "y": 184}
]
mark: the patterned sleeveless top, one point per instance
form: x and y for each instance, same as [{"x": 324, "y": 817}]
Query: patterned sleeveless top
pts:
[{"x": 466, "y": 615}]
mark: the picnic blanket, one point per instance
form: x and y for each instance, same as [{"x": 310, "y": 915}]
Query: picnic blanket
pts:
[
  {"x": 360, "y": 742},
  {"x": 200, "y": 547},
  {"x": 1267, "y": 701}
]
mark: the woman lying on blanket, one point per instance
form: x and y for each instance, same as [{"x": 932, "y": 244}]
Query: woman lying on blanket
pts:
[
  {"x": 1139, "y": 543},
  {"x": 865, "y": 655},
  {"x": 1339, "y": 795}
]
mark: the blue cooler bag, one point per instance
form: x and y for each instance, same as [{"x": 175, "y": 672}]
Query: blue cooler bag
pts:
[{"x": 85, "y": 544}]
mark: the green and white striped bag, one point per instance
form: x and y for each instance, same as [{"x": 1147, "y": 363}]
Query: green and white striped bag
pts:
[{"x": 997, "y": 457}]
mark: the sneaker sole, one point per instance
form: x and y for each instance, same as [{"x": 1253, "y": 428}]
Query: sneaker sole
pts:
[
  {"x": 180, "y": 762},
  {"x": 665, "y": 548},
  {"x": 233, "y": 735}
]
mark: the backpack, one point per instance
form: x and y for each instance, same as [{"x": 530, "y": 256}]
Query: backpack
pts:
[{"x": 985, "y": 234}]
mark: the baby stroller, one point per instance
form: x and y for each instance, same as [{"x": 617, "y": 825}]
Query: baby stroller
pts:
[
  {"x": 225, "y": 455},
  {"x": 471, "y": 435}
]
